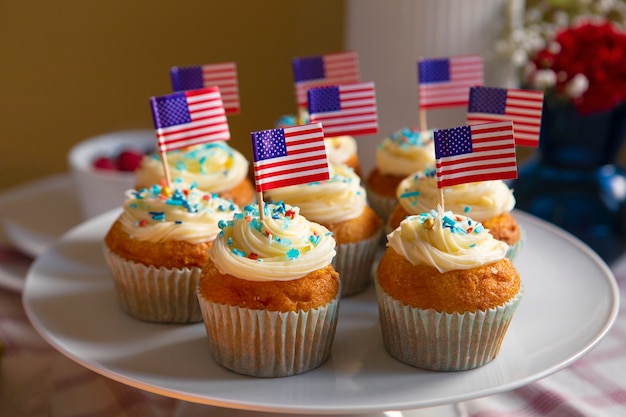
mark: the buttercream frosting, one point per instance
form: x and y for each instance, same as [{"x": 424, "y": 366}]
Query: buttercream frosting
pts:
[
  {"x": 405, "y": 151},
  {"x": 446, "y": 241},
  {"x": 480, "y": 200},
  {"x": 281, "y": 246},
  {"x": 215, "y": 167},
  {"x": 158, "y": 213},
  {"x": 335, "y": 200}
]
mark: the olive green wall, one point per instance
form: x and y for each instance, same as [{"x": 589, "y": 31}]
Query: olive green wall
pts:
[{"x": 74, "y": 69}]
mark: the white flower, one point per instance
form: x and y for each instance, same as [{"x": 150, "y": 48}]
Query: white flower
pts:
[
  {"x": 543, "y": 79},
  {"x": 577, "y": 86}
]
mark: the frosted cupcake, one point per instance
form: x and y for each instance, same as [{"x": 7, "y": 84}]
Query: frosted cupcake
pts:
[
  {"x": 402, "y": 153},
  {"x": 269, "y": 294},
  {"x": 489, "y": 202},
  {"x": 215, "y": 167},
  {"x": 446, "y": 292},
  {"x": 157, "y": 247},
  {"x": 340, "y": 204},
  {"x": 339, "y": 149}
]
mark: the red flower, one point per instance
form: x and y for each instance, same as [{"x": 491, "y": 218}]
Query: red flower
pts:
[{"x": 598, "y": 51}]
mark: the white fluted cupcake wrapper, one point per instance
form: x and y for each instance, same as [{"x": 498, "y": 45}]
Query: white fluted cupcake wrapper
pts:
[
  {"x": 436, "y": 341},
  {"x": 383, "y": 206},
  {"x": 155, "y": 294},
  {"x": 515, "y": 248},
  {"x": 269, "y": 343},
  {"x": 354, "y": 261}
]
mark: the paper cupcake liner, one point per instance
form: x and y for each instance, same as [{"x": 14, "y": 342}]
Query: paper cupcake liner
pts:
[
  {"x": 436, "y": 341},
  {"x": 354, "y": 261},
  {"x": 382, "y": 206},
  {"x": 268, "y": 344},
  {"x": 516, "y": 247},
  {"x": 155, "y": 294}
]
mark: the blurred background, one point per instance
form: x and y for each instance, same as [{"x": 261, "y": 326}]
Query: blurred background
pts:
[{"x": 74, "y": 69}]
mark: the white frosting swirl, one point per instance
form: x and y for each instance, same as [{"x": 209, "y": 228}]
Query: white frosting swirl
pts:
[
  {"x": 282, "y": 246},
  {"x": 405, "y": 151},
  {"x": 335, "y": 200},
  {"x": 158, "y": 214},
  {"x": 215, "y": 167},
  {"x": 482, "y": 200},
  {"x": 339, "y": 149},
  {"x": 445, "y": 241}
]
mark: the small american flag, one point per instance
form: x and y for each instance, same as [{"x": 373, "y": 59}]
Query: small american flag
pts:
[
  {"x": 445, "y": 82},
  {"x": 189, "y": 118},
  {"x": 475, "y": 153},
  {"x": 223, "y": 75},
  {"x": 318, "y": 71},
  {"x": 345, "y": 109},
  {"x": 523, "y": 107},
  {"x": 289, "y": 156}
]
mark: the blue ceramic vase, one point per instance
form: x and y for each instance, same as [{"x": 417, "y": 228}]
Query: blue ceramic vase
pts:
[{"x": 574, "y": 179}]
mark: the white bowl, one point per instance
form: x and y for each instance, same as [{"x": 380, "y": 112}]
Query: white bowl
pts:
[{"x": 101, "y": 190}]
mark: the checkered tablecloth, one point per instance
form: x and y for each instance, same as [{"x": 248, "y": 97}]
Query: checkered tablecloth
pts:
[{"x": 35, "y": 380}]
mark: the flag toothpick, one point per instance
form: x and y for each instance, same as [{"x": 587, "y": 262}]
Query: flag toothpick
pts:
[
  {"x": 347, "y": 109},
  {"x": 323, "y": 70},
  {"x": 221, "y": 75},
  {"x": 522, "y": 107},
  {"x": 288, "y": 156},
  {"x": 188, "y": 118},
  {"x": 474, "y": 153}
]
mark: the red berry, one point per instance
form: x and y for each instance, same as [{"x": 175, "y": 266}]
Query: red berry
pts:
[
  {"x": 129, "y": 160},
  {"x": 105, "y": 163}
]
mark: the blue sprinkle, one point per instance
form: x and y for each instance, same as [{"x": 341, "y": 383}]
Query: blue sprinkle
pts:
[
  {"x": 293, "y": 253},
  {"x": 314, "y": 239},
  {"x": 472, "y": 245},
  {"x": 410, "y": 194},
  {"x": 238, "y": 252},
  {"x": 178, "y": 222},
  {"x": 466, "y": 209},
  {"x": 448, "y": 221},
  {"x": 157, "y": 215},
  {"x": 229, "y": 241}
]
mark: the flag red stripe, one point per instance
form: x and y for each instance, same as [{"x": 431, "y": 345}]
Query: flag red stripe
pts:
[
  {"x": 509, "y": 175},
  {"x": 290, "y": 181},
  {"x": 292, "y": 170},
  {"x": 270, "y": 165}
]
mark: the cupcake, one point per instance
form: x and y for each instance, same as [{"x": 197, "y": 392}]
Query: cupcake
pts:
[
  {"x": 339, "y": 149},
  {"x": 269, "y": 294},
  {"x": 340, "y": 204},
  {"x": 489, "y": 202},
  {"x": 215, "y": 167},
  {"x": 157, "y": 247},
  {"x": 446, "y": 292},
  {"x": 402, "y": 153}
]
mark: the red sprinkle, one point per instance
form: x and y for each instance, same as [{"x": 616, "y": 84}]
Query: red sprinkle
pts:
[
  {"x": 248, "y": 218},
  {"x": 143, "y": 222},
  {"x": 253, "y": 256},
  {"x": 206, "y": 197},
  {"x": 290, "y": 213}
]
